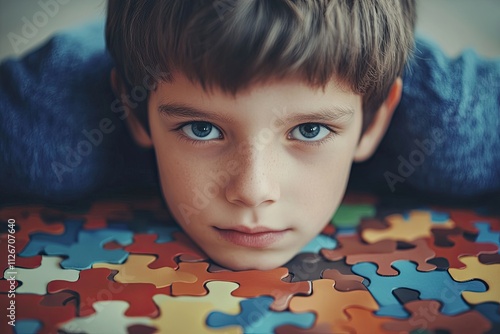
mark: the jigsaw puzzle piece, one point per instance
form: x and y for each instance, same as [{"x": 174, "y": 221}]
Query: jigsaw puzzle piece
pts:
[
  {"x": 344, "y": 282},
  {"x": 417, "y": 224},
  {"x": 489, "y": 258},
  {"x": 257, "y": 317},
  {"x": 350, "y": 215},
  {"x": 251, "y": 283},
  {"x": 461, "y": 247},
  {"x": 311, "y": 266},
  {"x": 94, "y": 285},
  {"x": 490, "y": 311},
  {"x": 486, "y": 234},
  {"x": 136, "y": 270},
  {"x": 321, "y": 241},
  {"x": 109, "y": 318},
  {"x": 8, "y": 252},
  {"x": 89, "y": 248},
  {"x": 467, "y": 219},
  {"x": 419, "y": 254},
  {"x": 432, "y": 285},
  {"x": 329, "y": 304},
  {"x": 101, "y": 212},
  {"x": 35, "y": 280},
  {"x": 164, "y": 233},
  {"x": 474, "y": 269},
  {"x": 39, "y": 241},
  {"x": 33, "y": 223},
  {"x": 363, "y": 321},
  {"x": 425, "y": 315},
  {"x": 187, "y": 314},
  {"x": 166, "y": 252},
  {"x": 351, "y": 245},
  {"x": 27, "y": 326},
  {"x": 30, "y": 307}
]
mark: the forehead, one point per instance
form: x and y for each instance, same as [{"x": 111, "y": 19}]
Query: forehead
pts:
[{"x": 278, "y": 96}]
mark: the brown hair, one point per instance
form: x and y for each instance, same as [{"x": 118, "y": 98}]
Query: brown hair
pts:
[{"x": 232, "y": 44}]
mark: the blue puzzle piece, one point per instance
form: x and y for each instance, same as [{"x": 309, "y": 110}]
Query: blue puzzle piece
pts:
[
  {"x": 316, "y": 244},
  {"x": 88, "y": 249},
  {"x": 39, "y": 241},
  {"x": 489, "y": 310},
  {"x": 436, "y": 216},
  {"x": 27, "y": 326},
  {"x": 164, "y": 232},
  {"x": 256, "y": 317},
  {"x": 487, "y": 235},
  {"x": 438, "y": 285}
]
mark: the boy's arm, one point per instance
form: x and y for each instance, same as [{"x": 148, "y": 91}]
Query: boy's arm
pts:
[
  {"x": 445, "y": 134},
  {"x": 59, "y": 137}
]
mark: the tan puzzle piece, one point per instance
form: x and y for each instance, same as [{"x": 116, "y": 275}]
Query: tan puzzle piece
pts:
[
  {"x": 329, "y": 304},
  {"x": 418, "y": 226},
  {"x": 35, "y": 280},
  {"x": 136, "y": 270},
  {"x": 109, "y": 318},
  {"x": 186, "y": 314},
  {"x": 489, "y": 273}
]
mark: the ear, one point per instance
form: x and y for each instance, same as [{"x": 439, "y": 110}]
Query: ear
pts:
[
  {"x": 375, "y": 132},
  {"x": 135, "y": 127}
]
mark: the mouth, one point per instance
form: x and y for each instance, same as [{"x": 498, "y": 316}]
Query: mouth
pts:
[{"x": 259, "y": 237}]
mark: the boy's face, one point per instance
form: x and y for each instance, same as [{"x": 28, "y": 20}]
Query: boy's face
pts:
[{"x": 252, "y": 178}]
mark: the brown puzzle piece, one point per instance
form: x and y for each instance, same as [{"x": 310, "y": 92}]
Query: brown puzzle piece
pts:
[
  {"x": 329, "y": 304},
  {"x": 364, "y": 321},
  {"x": 252, "y": 283},
  {"x": 420, "y": 254},
  {"x": 351, "y": 244},
  {"x": 425, "y": 314},
  {"x": 344, "y": 282},
  {"x": 94, "y": 285}
]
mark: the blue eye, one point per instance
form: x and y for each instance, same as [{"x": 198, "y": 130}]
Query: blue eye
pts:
[
  {"x": 310, "y": 132},
  {"x": 201, "y": 131}
]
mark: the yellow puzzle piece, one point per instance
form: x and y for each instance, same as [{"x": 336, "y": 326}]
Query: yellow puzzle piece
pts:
[
  {"x": 489, "y": 273},
  {"x": 418, "y": 225},
  {"x": 187, "y": 314},
  {"x": 136, "y": 270}
]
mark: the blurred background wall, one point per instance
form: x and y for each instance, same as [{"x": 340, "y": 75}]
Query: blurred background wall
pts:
[{"x": 454, "y": 24}]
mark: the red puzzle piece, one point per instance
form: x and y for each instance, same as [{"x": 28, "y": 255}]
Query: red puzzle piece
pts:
[
  {"x": 94, "y": 285},
  {"x": 461, "y": 247},
  {"x": 166, "y": 251},
  {"x": 467, "y": 218}
]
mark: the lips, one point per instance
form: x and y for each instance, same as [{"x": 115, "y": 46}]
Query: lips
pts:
[{"x": 259, "y": 237}]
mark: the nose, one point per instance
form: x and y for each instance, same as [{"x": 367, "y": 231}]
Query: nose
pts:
[{"x": 255, "y": 184}]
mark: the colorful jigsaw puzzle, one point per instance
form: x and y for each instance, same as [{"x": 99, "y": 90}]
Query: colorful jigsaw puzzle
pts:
[{"x": 124, "y": 267}]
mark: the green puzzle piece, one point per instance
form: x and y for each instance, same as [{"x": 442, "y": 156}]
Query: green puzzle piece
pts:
[{"x": 349, "y": 215}]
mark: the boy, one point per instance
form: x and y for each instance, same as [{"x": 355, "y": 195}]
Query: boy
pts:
[{"x": 258, "y": 110}]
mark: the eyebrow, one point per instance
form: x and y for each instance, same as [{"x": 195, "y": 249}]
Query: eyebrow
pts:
[{"x": 326, "y": 115}]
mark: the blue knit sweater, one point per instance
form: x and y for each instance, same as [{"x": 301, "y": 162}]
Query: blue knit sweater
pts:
[{"x": 60, "y": 139}]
